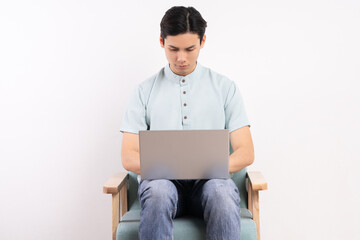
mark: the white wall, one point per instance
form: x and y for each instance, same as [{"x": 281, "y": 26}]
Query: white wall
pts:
[{"x": 67, "y": 69}]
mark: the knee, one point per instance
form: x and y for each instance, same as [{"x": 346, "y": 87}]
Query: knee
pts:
[
  {"x": 222, "y": 194},
  {"x": 158, "y": 193}
]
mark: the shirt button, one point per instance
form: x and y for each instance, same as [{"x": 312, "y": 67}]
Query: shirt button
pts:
[
  {"x": 185, "y": 104},
  {"x": 183, "y": 80},
  {"x": 184, "y": 92},
  {"x": 185, "y": 117}
]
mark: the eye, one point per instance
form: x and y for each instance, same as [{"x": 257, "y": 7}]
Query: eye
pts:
[
  {"x": 190, "y": 50},
  {"x": 173, "y": 49}
]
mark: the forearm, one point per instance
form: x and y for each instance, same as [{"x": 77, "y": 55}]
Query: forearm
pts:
[
  {"x": 131, "y": 161},
  {"x": 240, "y": 159}
]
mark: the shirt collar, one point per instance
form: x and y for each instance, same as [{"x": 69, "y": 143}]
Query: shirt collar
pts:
[{"x": 169, "y": 74}]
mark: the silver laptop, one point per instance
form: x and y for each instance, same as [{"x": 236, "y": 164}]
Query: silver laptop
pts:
[{"x": 184, "y": 154}]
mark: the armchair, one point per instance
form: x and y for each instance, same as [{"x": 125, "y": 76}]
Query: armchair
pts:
[{"x": 126, "y": 208}]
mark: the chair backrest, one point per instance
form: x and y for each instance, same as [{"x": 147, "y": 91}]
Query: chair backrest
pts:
[
  {"x": 239, "y": 179},
  {"x": 133, "y": 201}
]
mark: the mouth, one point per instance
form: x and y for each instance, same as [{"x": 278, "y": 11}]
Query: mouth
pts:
[{"x": 182, "y": 66}]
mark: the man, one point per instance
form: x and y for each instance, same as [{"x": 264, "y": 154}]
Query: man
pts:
[{"x": 186, "y": 95}]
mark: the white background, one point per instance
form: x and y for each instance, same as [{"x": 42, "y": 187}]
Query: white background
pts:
[{"x": 67, "y": 69}]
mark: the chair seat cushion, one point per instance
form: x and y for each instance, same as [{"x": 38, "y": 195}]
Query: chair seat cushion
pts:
[
  {"x": 134, "y": 215},
  {"x": 185, "y": 228}
]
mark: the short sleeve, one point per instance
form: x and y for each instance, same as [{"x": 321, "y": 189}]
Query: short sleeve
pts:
[
  {"x": 235, "y": 114},
  {"x": 135, "y": 115}
]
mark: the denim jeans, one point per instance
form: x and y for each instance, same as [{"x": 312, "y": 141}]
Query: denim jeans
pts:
[{"x": 217, "y": 201}]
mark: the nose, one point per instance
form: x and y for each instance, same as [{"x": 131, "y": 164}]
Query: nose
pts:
[{"x": 181, "y": 56}]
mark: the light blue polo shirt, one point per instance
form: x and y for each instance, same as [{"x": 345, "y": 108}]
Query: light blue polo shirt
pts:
[{"x": 202, "y": 99}]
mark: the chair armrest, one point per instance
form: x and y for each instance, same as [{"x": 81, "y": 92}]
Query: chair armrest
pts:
[
  {"x": 257, "y": 181},
  {"x": 115, "y": 183}
]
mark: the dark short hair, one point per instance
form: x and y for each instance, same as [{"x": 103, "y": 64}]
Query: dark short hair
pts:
[{"x": 178, "y": 20}]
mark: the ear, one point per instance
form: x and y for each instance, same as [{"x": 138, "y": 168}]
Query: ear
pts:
[
  {"x": 162, "y": 42},
  {"x": 203, "y": 41}
]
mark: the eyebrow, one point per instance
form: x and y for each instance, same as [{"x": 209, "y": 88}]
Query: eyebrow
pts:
[{"x": 192, "y": 46}]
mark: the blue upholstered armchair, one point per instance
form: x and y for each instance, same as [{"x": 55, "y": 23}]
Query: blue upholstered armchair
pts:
[{"x": 126, "y": 208}]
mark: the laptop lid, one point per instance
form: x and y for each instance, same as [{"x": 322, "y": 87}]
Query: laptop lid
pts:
[{"x": 184, "y": 154}]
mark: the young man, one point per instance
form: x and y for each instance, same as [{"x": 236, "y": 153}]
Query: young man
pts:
[{"x": 186, "y": 95}]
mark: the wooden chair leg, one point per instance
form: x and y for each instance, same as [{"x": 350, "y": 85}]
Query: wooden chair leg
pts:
[
  {"x": 253, "y": 205},
  {"x": 115, "y": 213},
  {"x": 119, "y": 203},
  {"x": 256, "y": 213}
]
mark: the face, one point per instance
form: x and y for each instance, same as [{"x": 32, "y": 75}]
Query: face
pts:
[{"x": 182, "y": 52}]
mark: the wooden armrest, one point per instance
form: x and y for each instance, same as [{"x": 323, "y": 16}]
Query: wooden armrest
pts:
[
  {"x": 115, "y": 183},
  {"x": 257, "y": 181}
]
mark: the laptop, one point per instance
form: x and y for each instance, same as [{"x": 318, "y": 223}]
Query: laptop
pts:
[{"x": 184, "y": 154}]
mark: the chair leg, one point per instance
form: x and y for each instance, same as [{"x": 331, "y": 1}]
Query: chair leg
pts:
[
  {"x": 119, "y": 203},
  {"x": 253, "y": 205},
  {"x": 256, "y": 213},
  {"x": 115, "y": 213}
]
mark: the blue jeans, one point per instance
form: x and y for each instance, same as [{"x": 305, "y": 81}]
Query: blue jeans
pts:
[{"x": 217, "y": 201}]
